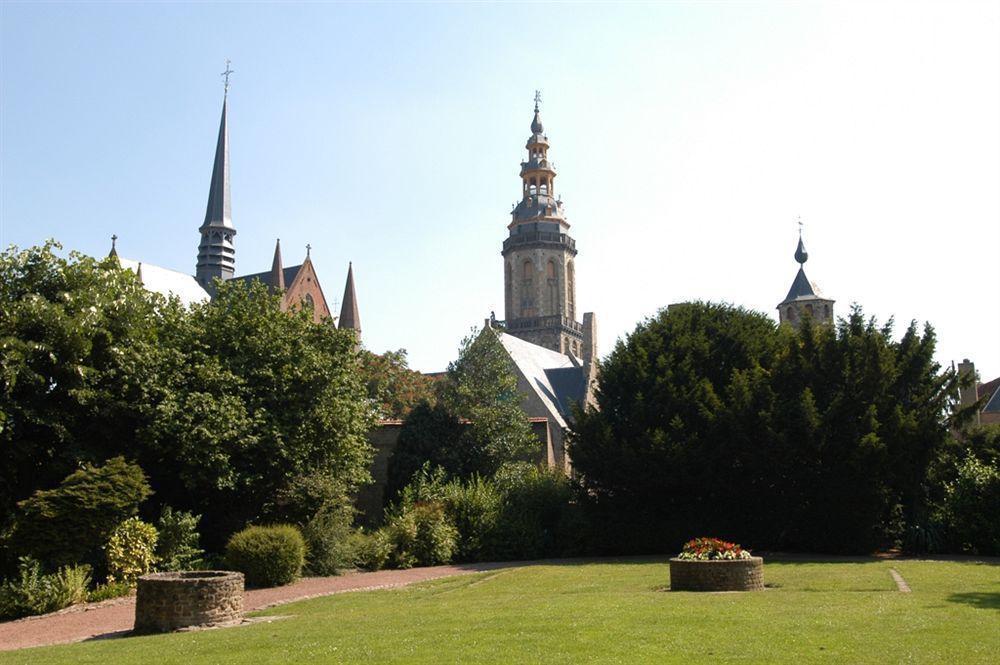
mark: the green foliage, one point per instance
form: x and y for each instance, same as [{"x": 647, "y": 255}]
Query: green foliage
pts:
[
  {"x": 267, "y": 555},
  {"x": 329, "y": 539},
  {"x": 372, "y": 549},
  {"x": 477, "y": 424},
  {"x": 421, "y": 535},
  {"x": 177, "y": 543},
  {"x": 222, "y": 403},
  {"x": 972, "y": 507},
  {"x": 537, "y": 518},
  {"x": 109, "y": 590},
  {"x": 70, "y": 523},
  {"x": 131, "y": 550},
  {"x": 711, "y": 420},
  {"x": 74, "y": 335},
  {"x": 31, "y": 592},
  {"x": 474, "y": 507}
]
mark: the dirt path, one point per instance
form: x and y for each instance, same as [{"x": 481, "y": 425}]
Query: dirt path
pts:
[{"x": 115, "y": 617}]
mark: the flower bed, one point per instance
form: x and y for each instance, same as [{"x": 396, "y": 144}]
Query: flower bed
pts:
[{"x": 710, "y": 564}]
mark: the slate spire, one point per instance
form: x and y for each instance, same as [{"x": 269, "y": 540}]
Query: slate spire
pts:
[
  {"x": 277, "y": 281},
  {"x": 216, "y": 251},
  {"x": 349, "y": 316}
]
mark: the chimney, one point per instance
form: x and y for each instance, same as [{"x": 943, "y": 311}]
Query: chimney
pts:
[{"x": 968, "y": 394}]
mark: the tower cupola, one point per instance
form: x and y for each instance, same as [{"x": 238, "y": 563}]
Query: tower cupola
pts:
[{"x": 803, "y": 298}]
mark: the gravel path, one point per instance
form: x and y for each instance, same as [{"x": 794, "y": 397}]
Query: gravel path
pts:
[{"x": 115, "y": 617}]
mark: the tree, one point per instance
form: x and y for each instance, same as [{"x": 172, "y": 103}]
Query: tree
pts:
[
  {"x": 75, "y": 336},
  {"x": 477, "y": 424},
  {"x": 250, "y": 399},
  {"x": 712, "y": 421},
  {"x": 393, "y": 386}
]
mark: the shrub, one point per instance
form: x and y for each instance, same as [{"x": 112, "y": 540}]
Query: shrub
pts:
[
  {"x": 109, "y": 591},
  {"x": 421, "y": 535},
  {"x": 131, "y": 550},
  {"x": 328, "y": 540},
  {"x": 34, "y": 593},
  {"x": 177, "y": 545},
  {"x": 474, "y": 508},
  {"x": 267, "y": 555},
  {"x": 712, "y": 549},
  {"x": 535, "y": 511},
  {"x": 70, "y": 523},
  {"x": 372, "y": 549},
  {"x": 971, "y": 507}
]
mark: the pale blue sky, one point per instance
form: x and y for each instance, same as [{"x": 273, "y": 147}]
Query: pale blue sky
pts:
[{"x": 688, "y": 137}]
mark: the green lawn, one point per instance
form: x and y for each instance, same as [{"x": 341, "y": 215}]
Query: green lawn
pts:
[{"x": 609, "y": 612}]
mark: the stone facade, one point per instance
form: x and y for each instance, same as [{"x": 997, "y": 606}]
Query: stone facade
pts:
[
  {"x": 168, "y": 601},
  {"x": 540, "y": 303},
  {"x": 720, "y": 575}
]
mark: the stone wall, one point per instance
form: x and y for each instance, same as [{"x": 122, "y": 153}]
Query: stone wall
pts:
[
  {"x": 722, "y": 575},
  {"x": 168, "y": 601}
]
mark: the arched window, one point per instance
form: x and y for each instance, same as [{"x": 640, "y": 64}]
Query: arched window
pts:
[
  {"x": 508, "y": 282},
  {"x": 307, "y": 300},
  {"x": 526, "y": 270},
  {"x": 571, "y": 290},
  {"x": 550, "y": 269},
  {"x": 809, "y": 309},
  {"x": 791, "y": 313},
  {"x": 826, "y": 311}
]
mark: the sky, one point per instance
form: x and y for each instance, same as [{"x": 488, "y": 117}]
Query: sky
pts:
[{"x": 689, "y": 140}]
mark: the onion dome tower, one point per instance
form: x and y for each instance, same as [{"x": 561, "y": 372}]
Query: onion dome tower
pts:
[
  {"x": 804, "y": 299},
  {"x": 216, "y": 251},
  {"x": 539, "y": 254}
]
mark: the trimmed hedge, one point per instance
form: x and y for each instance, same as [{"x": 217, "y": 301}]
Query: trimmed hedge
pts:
[{"x": 267, "y": 555}]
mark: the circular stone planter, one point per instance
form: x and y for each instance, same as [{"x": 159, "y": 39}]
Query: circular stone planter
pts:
[
  {"x": 717, "y": 575},
  {"x": 168, "y": 601}
]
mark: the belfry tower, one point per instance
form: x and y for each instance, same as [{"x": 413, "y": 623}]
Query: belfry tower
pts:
[
  {"x": 539, "y": 255},
  {"x": 216, "y": 251},
  {"x": 803, "y": 298}
]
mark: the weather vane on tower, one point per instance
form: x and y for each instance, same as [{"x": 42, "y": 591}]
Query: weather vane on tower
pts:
[
  {"x": 538, "y": 98},
  {"x": 225, "y": 75}
]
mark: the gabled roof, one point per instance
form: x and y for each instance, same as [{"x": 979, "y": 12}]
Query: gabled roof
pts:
[
  {"x": 167, "y": 282},
  {"x": 557, "y": 379},
  {"x": 288, "y": 275},
  {"x": 993, "y": 405}
]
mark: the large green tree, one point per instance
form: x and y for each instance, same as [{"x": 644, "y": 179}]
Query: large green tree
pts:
[
  {"x": 476, "y": 425},
  {"x": 713, "y": 421},
  {"x": 223, "y": 404}
]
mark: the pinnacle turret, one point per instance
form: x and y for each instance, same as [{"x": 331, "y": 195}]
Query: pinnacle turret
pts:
[{"x": 349, "y": 316}]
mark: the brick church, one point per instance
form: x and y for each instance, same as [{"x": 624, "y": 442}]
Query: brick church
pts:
[{"x": 298, "y": 285}]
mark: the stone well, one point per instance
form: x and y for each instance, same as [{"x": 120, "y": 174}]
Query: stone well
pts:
[
  {"x": 717, "y": 575},
  {"x": 168, "y": 601}
]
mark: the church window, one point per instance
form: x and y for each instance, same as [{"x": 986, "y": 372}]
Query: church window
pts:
[
  {"x": 526, "y": 270},
  {"x": 791, "y": 313},
  {"x": 809, "y": 310},
  {"x": 307, "y": 299},
  {"x": 571, "y": 290},
  {"x": 826, "y": 311},
  {"x": 550, "y": 269}
]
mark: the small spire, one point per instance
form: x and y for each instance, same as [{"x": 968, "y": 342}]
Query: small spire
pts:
[
  {"x": 277, "y": 281},
  {"x": 114, "y": 251},
  {"x": 349, "y": 316},
  {"x": 536, "y": 123},
  {"x": 138, "y": 272},
  {"x": 801, "y": 255}
]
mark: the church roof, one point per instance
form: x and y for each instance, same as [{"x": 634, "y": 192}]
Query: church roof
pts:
[
  {"x": 218, "y": 211},
  {"x": 167, "y": 282},
  {"x": 801, "y": 288},
  {"x": 349, "y": 315},
  {"x": 993, "y": 406},
  {"x": 557, "y": 379},
  {"x": 287, "y": 274}
]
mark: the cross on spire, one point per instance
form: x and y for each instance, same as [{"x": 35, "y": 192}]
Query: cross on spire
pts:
[
  {"x": 799, "y": 219},
  {"x": 225, "y": 76},
  {"x": 538, "y": 98},
  {"x": 308, "y": 249},
  {"x": 114, "y": 239}
]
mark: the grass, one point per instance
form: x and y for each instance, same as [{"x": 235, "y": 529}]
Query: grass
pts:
[{"x": 609, "y": 612}]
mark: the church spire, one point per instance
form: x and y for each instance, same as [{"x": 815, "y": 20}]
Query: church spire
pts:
[
  {"x": 216, "y": 251},
  {"x": 277, "y": 280},
  {"x": 349, "y": 316},
  {"x": 803, "y": 298}
]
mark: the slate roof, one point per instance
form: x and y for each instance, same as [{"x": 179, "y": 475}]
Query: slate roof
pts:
[
  {"x": 557, "y": 379},
  {"x": 801, "y": 288},
  {"x": 349, "y": 316},
  {"x": 168, "y": 282},
  {"x": 993, "y": 389},
  {"x": 218, "y": 212},
  {"x": 288, "y": 275}
]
